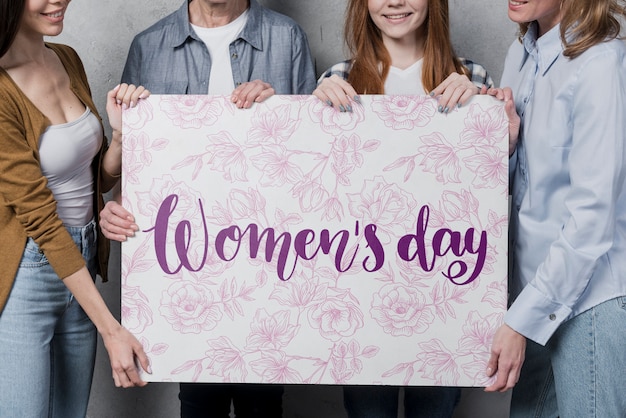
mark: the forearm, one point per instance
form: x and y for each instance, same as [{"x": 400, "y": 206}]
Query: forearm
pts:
[
  {"x": 84, "y": 290},
  {"x": 112, "y": 162}
]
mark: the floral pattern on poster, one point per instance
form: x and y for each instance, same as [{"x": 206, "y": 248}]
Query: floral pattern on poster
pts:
[{"x": 291, "y": 243}]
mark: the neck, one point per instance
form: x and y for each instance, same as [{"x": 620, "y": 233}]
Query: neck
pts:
[
  {"x": 404, "y": 52},
  {"x": 25, "y": 50},
  {"x": 211, "y": 14}
]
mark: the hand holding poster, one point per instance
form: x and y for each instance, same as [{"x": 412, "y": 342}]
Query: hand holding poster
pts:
[{"x": 291, "y": 243}]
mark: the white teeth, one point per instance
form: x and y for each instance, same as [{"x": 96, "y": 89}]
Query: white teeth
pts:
[
  {"x": 403, "y": 15},
  {"x": 57, "y": 14},
  {"x": 516, "y": 3}
]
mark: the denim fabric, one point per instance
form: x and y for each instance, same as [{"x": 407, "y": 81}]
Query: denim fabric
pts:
[
  {"x": 209, "y": 400},
  {"x": 47, "y": 342},
  {"x": 580, "y": 372},
  {"x": 382, "y": 401},
  {"x": 170, "y": 58}
]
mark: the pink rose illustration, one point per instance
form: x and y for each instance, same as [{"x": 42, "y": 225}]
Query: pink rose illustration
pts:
[
  {"x": 310, "y": 194},
  {"x": 271, "y": 331},
  {"x": 439, "y": 157},
  {"x": 459, "y": 206},
  {"x": 385, "y": 205},
  {"x": 438, "y": 363},
  {"x": 404, "y": 112},
  {"x": 138, "y": 116},
  {"x": 227, "y": 157},
  {"x": 336, "y": 318},
  {"x": 136, "y": 312},
  {"x": 272, "y": 126},
  {"x": 334, "y": 122},
  {"x": 478, "y": 332},
  {"x": 276, "y": 168},
  {"x": 490, "y": 167},
  {"x": 485, "y": 127},
  {"x": 150, "y": 201},
  {"x": 226, "y": 360},
  {"x": 401, "y": 310},
  {"x": 273, "y": 367},
  {"x": 246, "y": 204},
  {"x": 189, "y": 308},
  {"x": 193, "y": 111}
]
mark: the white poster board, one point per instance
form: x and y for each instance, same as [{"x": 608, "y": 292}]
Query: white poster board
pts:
[{"x": 292, "y": 243}]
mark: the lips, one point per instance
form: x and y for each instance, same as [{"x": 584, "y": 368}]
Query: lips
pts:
[
  {"x": 54, "y": 15},
  {"x": 397, "y": 16}
]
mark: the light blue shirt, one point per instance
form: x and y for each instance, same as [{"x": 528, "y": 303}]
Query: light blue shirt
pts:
[
  {"x": 170, "y": 58},
  {"x": 568, "y": 218}
]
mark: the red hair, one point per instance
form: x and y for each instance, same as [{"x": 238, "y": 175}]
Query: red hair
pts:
[{"x": 371, "y": 60}]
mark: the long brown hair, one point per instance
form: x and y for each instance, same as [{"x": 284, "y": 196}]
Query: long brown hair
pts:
[
  {"x": 371, "y": 60},
  {"x": 586, "y": 23},
  {"x": 11, "y": 12}
]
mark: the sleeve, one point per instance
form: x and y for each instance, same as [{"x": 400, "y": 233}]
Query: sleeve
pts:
[
  {"x": 341, "y": 69},
  {"x": 132, "y": 68},
  {"x": 24, "y": 189},
  {"x": 303, "y": 68},
  {"x": 477, "y": 73},
  {"x": 597, "y": 176}
]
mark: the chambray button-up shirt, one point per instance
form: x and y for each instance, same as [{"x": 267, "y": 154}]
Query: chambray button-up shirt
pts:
[
  {"x": 169, "y": 58},
  {"x": 569, "y": 196}
]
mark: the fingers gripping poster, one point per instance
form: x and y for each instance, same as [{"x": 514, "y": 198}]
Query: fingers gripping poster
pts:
[{"x": 293, "y": 243}]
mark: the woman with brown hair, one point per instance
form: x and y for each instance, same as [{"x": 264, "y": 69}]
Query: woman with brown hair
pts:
[
  {"x": 567, "y": 321},
  {"x": 400, "y": 47},
  {"x": 54, "y": 165}
]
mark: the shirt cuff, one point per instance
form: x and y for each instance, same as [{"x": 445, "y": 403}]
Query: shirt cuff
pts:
[{"x": 535, "y": 316}]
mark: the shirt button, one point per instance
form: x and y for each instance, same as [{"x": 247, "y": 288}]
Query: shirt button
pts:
[
  {"x": 238, "y": 83},
  {"x": 234, "y": 56},
  {"x": 552, "y": 317}
]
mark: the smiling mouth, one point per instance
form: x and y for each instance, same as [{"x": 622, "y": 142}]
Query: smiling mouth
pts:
[
  {"x": 398, "y": 16},
  {"x": 54, "y": 15}
]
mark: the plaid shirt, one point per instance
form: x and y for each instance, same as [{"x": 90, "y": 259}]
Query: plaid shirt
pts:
[{"x": 478, "y": 74}]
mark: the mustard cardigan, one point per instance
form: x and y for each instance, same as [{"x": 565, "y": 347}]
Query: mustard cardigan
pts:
[{"x": 27, "y": 207}]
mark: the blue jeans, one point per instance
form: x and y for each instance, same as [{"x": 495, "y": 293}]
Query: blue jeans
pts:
[
  {"x": 580, "y": 373},
  {"x": 382, "y": 401},
  {"x": 47, "y": 342},
  {"x": 212, "y": 400}
]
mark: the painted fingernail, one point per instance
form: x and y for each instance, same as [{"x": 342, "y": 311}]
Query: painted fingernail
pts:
[
  {"x": 357, "y": 99},
  {"x": 341, "y": 108},
  {"x": 446, "y": 110},
  {"x": 440, "y": 109},
  {"x": 329, "y": 103},
  {"x": 349, "y": 108},
  {"x": 431, "y": 94}
]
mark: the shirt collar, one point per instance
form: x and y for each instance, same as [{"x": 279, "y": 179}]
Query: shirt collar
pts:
[
  {"x": 544, "y": 50},
  {"x": 181, "y": 29}
]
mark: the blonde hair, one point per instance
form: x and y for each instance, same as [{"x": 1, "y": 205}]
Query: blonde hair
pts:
[{"x": 586, "y": 23}]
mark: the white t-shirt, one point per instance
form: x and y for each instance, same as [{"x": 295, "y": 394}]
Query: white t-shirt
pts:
[
  {"x": 407, "y": 81},
  {"x": 218, "y": 42}
]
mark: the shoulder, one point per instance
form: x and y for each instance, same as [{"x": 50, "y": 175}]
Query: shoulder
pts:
[
  {"x": 160, "y": 26},
  {"x": 66, "y": 53},
  {"x": 477, "y": 73},
  {"x": 273, "y": 19}
]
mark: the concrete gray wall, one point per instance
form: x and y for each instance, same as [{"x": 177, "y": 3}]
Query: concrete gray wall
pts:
[{"x": 101, "y": 32}]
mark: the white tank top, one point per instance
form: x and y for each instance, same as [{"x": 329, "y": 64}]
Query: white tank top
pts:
[{"x": 66, "y": 152}]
